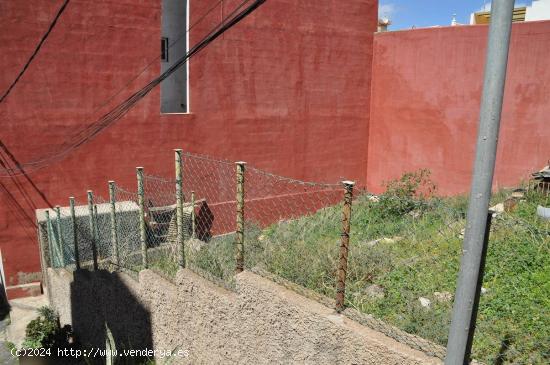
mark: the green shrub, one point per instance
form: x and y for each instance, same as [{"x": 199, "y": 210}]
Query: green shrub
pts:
[
  {"x": 42, "y": 331},
  {"x": 45, "y": 332},
  {"x": 406, "y": 194}
]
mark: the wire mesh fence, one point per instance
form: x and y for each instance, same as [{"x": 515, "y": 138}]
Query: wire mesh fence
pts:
[
  {"x": 286, "y": 218},
  {"x": 404, "y": 262},
  {"x": 401, "y": 257},
  {"x": 214, "y": 185},
  {"x": 160, "y": 224}
]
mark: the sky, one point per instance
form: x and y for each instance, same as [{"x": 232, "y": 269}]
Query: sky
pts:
[{"x": 405, "y": 14}]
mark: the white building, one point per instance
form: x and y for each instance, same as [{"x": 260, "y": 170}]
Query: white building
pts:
[{"x": 539, "y": 10}]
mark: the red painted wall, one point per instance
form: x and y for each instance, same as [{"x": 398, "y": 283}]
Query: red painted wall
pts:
[
  {"x": 287, "y": 90},
  {"x": 426, "y": 93}
]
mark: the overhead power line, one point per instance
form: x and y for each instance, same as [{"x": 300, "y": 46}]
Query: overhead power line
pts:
[
  {"x": 119, "y": 111},
  {"x": 36, "y": 50},
  {"x": 159, "y": 55}
]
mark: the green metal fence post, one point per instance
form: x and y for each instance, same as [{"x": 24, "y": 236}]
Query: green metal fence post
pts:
[
  {"x": 59, "y": 248},
  {"x": 179, "y": 207},
  {"x": 93, "y": 231},
  {"x": 50, "y": 238},
  {"x": 114, "y": 236},
  {"x": 142, "y": 229},
  {"x": 75, "y": 237}
]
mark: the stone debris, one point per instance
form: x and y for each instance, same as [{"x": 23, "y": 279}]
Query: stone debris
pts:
[
  {"x": 497, "y": 209},
  {"x": 392, "y": 239},
  {"x": 375, "y": 291},
  {"x": 374, "y": 198},
  {"x": 444, "y": 296},
  {"x": 372, "y": 243},
  {"x": 415, "y": 214},
  {"x": 195, "y": 244},
  {"x": 483, "y": 290},
  {"x": 425, "y": 302},
  {"x": 518, "y": 193},
  {"x": 389, "y": 240}
]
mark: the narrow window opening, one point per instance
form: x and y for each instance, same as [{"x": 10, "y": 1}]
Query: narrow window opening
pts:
[
  {"x": 174, "y": 45},
  {"x": 164, "y": 49}
]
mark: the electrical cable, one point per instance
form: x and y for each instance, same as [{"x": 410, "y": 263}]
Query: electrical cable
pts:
[
  {"x": 36, "y": 50},
  {"x": 4, "y": 163},
  {"x": 118, "y": 112},
  {"x": 108, "y": 100},
  {"x": 156, "y": 58}
]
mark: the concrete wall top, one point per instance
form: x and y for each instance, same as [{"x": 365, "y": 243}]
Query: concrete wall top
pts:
[{"x": 260, "y": 323}]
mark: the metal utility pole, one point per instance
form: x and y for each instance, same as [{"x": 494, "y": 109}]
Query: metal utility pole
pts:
[{"x": 463, "y": 321}]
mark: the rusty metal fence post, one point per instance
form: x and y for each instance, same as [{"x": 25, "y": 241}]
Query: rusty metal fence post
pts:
[
  {"x": 114, "y": 235},
  {"x": 93, "y": 235},
  {"x": 344, "y": 246},
  {"x": 75, "y": 237},
  {"x": 141, "y": 205},
  {"x": 239, "y": 237},
  {"x": 59, "y": 241},
  {"x": 179, "y": 208}
]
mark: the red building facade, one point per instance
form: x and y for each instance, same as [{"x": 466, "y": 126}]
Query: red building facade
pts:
[
  {"x": 303, "y": 89},
  {"x": 287, "y": 89},
  {"x": 426, "y": 94}
]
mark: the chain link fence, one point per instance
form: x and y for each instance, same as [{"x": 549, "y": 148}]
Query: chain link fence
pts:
[
  {"x": 390, "y": 264},
  {"x": 286, "y": 222},
  {"x": 404, "y": 261}
]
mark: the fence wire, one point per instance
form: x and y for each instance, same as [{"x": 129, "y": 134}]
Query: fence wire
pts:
[
  {"x": 84, "y": 235},
  {"x": 126, "y": 255},
  {"x": 405, "y": 257},
  {"x": 287, "y": 221},
  {"x": 404, "y": 250},
  {"x": 159, "y": 200}
]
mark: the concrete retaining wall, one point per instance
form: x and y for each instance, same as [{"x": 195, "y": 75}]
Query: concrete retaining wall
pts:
[{"x": 260, "y": 322}]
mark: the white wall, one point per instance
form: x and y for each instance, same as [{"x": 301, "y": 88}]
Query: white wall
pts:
[{"x": 539, "y": 10}]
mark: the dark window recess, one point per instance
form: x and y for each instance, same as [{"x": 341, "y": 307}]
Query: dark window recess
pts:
[
  {"x": 173, "y": 89},
  {"x": 164, "y": 49}
]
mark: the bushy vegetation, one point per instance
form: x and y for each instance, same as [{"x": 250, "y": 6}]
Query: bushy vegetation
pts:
[
  {"x": 406, "y": 194},
  {"x": 407, "y": 244},
  {"x": 44, "y": 331}
]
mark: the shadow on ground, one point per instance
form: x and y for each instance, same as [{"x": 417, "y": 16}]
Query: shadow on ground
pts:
[{"x": 102, "y": 299}]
